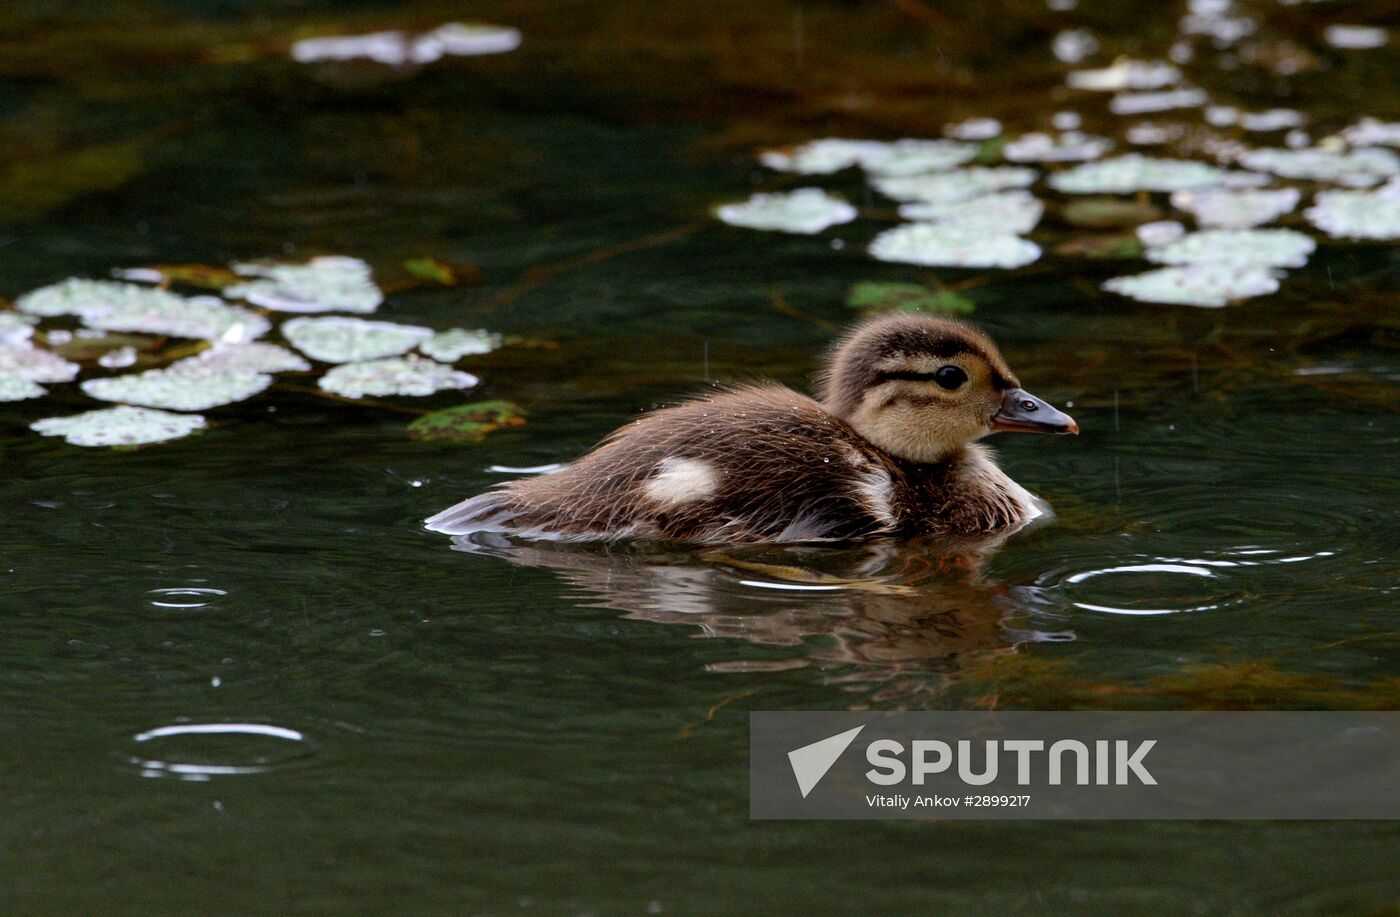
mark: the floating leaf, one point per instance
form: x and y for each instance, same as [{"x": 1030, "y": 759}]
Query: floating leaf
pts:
[
  {"x": 1218, "y": 207},
  {"x": 35, "y": 365},
  {"x": 118, "y": 358},
  {"x": 327, "y": 284},
  {"x": 397, "y": 49},
  {"x": 344, "y": 340},
  {"x": 119, "y": 426},
  {"x": 451, "y": 345},
  {"x": 1102, "y": 248},
  {"x": 1355, "y": 37},
  {"x": 409, "y": 375},
  {"x": 1356, "y": 169},
  {"x": 1125, "y": 74},
  {"x": 957, "y": 185},
  {"x": 1012, "y": 212},
  {"x": 89, "y": 345},
  {"x": 915, "y": 157},
  {"x": 822, "y": 157},
  {"x": 1108, "y": 213},
  {"x": 1263, "y": 247},
  {"x": 805, "y": 211},
  {"x": 466, "y": 422},
  {"x": 1357, "y": 214},
  {"x": 195, "y": 275},
  {"x": 1205, "y": 285},
  {"x": 1141, "y": 103},
  {"x": 1373, "y": 132},
  {"x": 973, "y": 129},
  {"x": 871, "y": 296},
  {"x": 1071, "y": 146},
  {"x": 15, "y": 328},
  {"x": 115, "y": 306},
  {"x": 257, "y": 357},
  {"x": 19, "y": 388},
  {"x": 1134, "y": 172},
  {"x": 185, "y": 386},
  {"x": 935, "y": 245},
  {"x": 435, "y": 271},
  {"x": 1160, "y": 233}
]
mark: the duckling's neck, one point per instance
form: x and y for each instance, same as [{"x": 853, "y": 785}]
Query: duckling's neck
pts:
[{"x": 966, "y": 493}]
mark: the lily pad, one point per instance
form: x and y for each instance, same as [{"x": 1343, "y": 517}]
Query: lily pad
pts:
[
  {"x": 114, "y": 306},
  {"x": 1357, "y": 214},
  {"x": 19, "y": 388},
  {"x": 915, "y": 157},
  {"x": 937, "y": 245},
  {"x": 15, "y": 328},
  {"x": 187, "y": 387},
  {"x": 398, "y": 49},
  {"x": 35, "y": 365},
  {"x": 1141, "y": 103},
  {"x": 455, "y": 343},
  {"x": 1012, "y": 212},
  {"x": 465, "y": 39},
  {"x": 1356, "y": 169},
  {"x": 1373, "y": 132},
  {"x": 1071, "y": 146},
  {"x": 327, "y": 284},
  {"x": 957, "y": 185},
  {"x": 89, "y": 345},
  {"x": 1206, "y": 285},
  {"x": 1134, "y": 172},
  {"x": 1262, "y": 247},
  {"x": 335, "y": 339},
  {"x": 119, "y": 426},
  {"x": 1218, "y": 207},
  {"x": 435, "y": 271},
  {"x": 409, "y": 375},
  {"x": 822, "y": 157},
  {"x": 256, "y": 357},
  {"x": 871, "y": 296},
  {"x": 1159, "y": 233},
  {"x": 1355, "y": 37},
  {"x": 974, "y": 129},
  {"x": 466, "y": 422},
  {"x": 1102, "y": 248},
  {"x": 805, "y": 211},
  {"x": 1108, "y": 213},
  {"x": 1125, "y": 74}
]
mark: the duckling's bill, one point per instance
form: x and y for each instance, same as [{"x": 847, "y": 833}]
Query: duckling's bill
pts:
[{"x": 1022, "y": 411}]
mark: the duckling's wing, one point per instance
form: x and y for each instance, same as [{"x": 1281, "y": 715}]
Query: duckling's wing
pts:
[{"x": 756, "y": 464}]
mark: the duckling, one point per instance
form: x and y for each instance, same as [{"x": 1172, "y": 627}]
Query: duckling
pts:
[{"x": 888, "y": 449}]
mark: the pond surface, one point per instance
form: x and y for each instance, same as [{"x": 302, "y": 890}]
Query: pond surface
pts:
[{"x": 237, "y": 677}]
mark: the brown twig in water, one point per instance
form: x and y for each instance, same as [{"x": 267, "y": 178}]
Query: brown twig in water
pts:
[
  {"x": 537, "y": 277},
  {"x": 782, "y": 306}
]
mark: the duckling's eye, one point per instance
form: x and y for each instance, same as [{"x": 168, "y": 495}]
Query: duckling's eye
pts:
[{"x": 950, "y": 377}]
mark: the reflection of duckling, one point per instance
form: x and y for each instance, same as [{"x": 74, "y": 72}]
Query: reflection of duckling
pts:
[{"x": 887, "y": 451}]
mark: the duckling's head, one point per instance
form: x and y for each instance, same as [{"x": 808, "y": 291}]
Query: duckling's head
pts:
[{"x": 922, "y": 387}]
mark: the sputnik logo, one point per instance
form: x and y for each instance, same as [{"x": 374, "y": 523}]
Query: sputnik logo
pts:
[{"x": 811, "y": 762}]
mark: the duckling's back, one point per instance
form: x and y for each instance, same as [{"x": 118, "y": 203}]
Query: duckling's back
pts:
[{"x": 752, "y": 464}]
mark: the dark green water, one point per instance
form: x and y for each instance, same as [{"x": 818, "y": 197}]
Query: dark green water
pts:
[{"x": 565, "y": 731}]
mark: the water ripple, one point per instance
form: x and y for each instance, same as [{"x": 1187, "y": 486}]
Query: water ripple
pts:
[{"x": 229, "y": 753}]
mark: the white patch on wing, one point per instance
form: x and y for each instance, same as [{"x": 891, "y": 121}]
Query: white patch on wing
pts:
[
  {"x": 874, "y": 487},
  {"x": 682, "y": 480}
]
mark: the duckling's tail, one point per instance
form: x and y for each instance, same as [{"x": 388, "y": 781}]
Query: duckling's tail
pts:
[{"x": 488, "y": 512}]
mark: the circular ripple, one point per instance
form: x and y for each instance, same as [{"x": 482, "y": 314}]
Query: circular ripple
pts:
[
  {"x": 202, "y": 751},
  {"x": 184, "y": 597},
  {"x": 1148, "y": 589}
]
